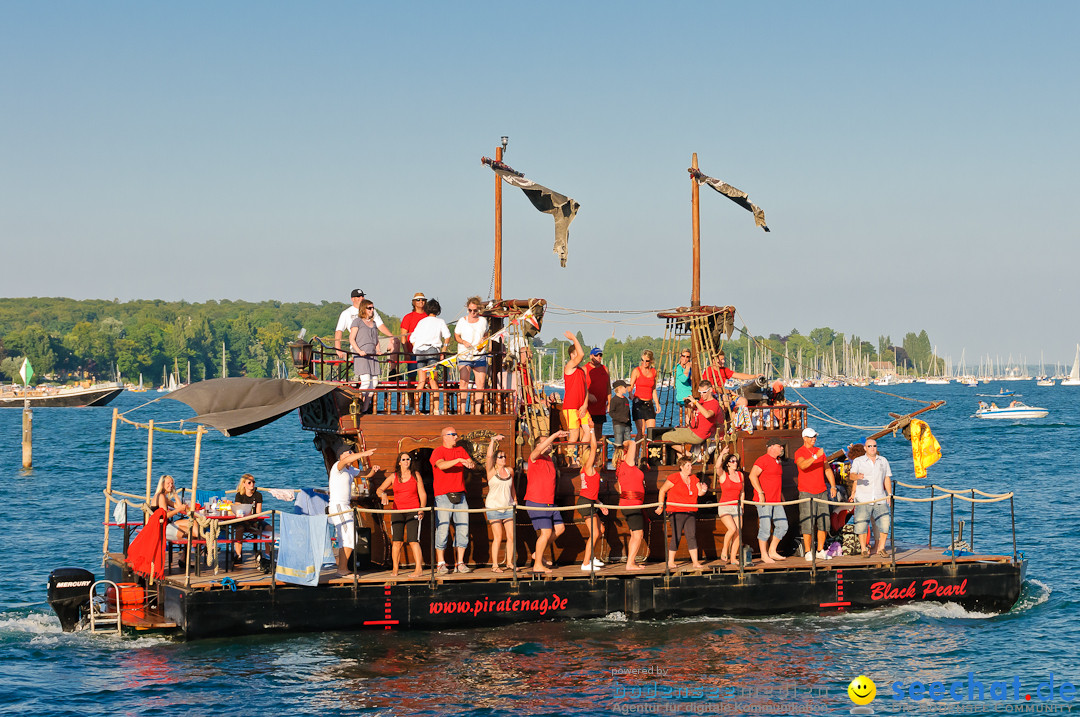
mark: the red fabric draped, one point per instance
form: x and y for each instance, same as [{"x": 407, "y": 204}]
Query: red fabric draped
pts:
[{"x": 147, "y": 549}]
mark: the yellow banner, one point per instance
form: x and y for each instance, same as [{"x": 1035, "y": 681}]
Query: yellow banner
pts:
[{"x": 925, "y": 450}]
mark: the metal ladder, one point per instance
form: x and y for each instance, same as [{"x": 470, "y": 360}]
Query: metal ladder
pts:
[{"x": 102, "y": 621}]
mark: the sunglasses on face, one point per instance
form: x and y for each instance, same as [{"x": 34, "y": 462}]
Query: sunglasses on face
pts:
[{"x": 449, "y": 434}]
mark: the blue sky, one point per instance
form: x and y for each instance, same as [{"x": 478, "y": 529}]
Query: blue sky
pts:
[{"x": 914, "y": 161}]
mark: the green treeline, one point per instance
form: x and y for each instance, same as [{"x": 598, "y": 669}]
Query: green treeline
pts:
[
  {"x": 88, "y": 338},
  {"x": 67, "y": 338}
]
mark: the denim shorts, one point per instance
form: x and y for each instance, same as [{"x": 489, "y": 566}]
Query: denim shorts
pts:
[
  {"x": 494, "y": 516},
  {"x": 475, "y": 363},
  {"x": 424, "y": 359},
  {"x": 878, "y": 512},
  {"x": 771, "y": 519}
]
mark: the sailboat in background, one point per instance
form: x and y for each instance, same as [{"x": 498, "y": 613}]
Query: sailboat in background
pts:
[
  {"x": 1042, "y": 380},
  {"x": 1074, "y": 375}
]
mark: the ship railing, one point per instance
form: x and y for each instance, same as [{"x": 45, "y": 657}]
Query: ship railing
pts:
[
  {"x": 778, "y": 417},
  {"x": 403, "y": 399}
]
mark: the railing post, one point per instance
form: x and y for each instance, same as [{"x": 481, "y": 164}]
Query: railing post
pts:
[
  {"x": 667, "y": 563},
  {"x": 273, "y": 555},
  {"x": 513, "y": 539},
  {"x": 813, "y": 537},
  {"x": 433, "y": 524},
  {"x": 355, "y": 545},
  {"x": 952, "y": 529},
  {"x": 973, "y": 520},
  {"x": 892, "y": 528},
  {"x": 930, "y": 540},
  {"x": 1012, "y": 514},
  {"x": 738, "y": 526}
]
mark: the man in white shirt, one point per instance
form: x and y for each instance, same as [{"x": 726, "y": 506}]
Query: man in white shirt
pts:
[
  {"x": 348, "y": 315},
  {"x": 873, "y": 481}
]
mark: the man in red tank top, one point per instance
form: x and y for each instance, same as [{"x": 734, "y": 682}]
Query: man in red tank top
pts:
[{"x": 575, "y": 406}]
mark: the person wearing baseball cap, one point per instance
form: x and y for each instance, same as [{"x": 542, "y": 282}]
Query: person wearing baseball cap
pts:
[
  {"x": 813, "y": 471},
  {"x": 767, "y": 477},
  {"x": 346, "y": 318},
  {"x": 598, "y": 382}
]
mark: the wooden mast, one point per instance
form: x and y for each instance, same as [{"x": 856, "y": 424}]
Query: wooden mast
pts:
[
  {"x": 695, "y": 291},
  {"x": 498, "y": 229}
]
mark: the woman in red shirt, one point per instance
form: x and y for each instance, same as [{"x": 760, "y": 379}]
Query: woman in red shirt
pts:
[
  {"x": 409, "y": 494},
  {"x": 731, "y": 489},
  {"x": 588, "y": 496},
  {"x": 630, "y": 483},
  {"x": 646, "y": 397},
  {"x": 684, "y": 488}
]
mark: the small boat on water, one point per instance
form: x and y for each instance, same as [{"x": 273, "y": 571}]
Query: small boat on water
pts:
[
  {"x": 1017, "y": 410},
  {"x": 97, "y": 394},
  {"x": 1074, "y": 375}
]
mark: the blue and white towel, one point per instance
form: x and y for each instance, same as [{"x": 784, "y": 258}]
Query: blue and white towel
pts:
[{"x": 304, "y": 547}]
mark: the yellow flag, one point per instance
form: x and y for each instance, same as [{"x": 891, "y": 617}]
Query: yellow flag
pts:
[{"x": 925, "y": 450}]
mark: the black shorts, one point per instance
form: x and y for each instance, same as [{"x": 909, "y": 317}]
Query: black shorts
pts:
[
  {"x": 635, "y": 519},
  {"x": 585, "y": 507},
  {"x": 644, "y": 410},
  {"x": 404, "y": 525},
  {"x": 600, "y": 419}
]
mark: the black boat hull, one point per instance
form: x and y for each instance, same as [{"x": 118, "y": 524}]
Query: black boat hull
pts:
[
  {"x": 978, "y": 586},
  {"x": 88, "y": 397}
]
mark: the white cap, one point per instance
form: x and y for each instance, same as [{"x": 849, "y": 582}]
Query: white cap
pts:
[{"x": 809, "y": 433}]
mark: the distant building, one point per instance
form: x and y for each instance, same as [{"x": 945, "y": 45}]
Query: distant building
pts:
[{"x": 882, "y": 368}]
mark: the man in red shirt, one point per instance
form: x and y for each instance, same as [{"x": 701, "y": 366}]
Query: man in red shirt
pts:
[
  {"x": 813, "y": 470},
  {"x": 767, "y": 476},
  {"x": 408, "y": 323},
  {"x": 448, "y": 464},
  {"x": 707, "y": 414},
  {"x": 540, "y": 493},
  {"x": 575, "y": 405},
  {"x": 717, "y": 372},
  {"x": 599, "y": 384}
]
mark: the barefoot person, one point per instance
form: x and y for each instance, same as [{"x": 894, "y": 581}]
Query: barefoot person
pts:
[
  {"x": 589, "y": 495},
  {"x": 766, "y": 476},
  {"x": 343, "y": 474},
  {"x": 683, "y": 489},
  {"x": 575, "y": 407},
  {"x": 731, "y": 489},
  {"x": 540, "y": 493},
  {"x": 409, "y": 493},
  {"x": 630, "y": 483},
  {"x": 500, "y": 498}
]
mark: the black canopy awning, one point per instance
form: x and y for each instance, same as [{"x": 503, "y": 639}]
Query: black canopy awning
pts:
[{"x": 236, "y": 406}]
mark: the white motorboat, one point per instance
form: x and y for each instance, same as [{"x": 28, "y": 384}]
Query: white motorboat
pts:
[{"x": 1016, "y": 410}]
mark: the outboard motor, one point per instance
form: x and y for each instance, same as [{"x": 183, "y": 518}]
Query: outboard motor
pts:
[
  {"x": 69, "y": 595},
  {"x": 755, "y": 391}
]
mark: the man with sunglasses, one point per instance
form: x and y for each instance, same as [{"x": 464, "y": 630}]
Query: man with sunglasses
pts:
[
  {"x": 707, "y": 414},
  {"x": 599, "y": 383},
  {"x": 872, "y": 477},
  {"x": 448, "y": 464}
]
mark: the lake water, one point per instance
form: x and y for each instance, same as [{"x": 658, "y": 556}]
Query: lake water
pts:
[{"x": 51, "y": 517}]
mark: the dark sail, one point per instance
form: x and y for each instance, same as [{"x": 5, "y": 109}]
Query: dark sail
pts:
[{"x": 236, "y": 406}]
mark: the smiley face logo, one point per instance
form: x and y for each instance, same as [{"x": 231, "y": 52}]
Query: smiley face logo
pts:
[{"x": 862, "y": 690}]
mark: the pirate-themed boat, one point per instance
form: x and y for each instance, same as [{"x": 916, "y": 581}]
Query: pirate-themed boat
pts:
[{"x": 396, "y": 417}]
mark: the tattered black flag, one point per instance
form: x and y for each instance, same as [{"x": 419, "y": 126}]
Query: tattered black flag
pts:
[
  {"x": 559, "y": 206},
  {"x": 736, "y": 195}
]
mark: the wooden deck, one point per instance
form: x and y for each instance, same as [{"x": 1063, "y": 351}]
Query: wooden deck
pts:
[{"x": 248, "y": 578}]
